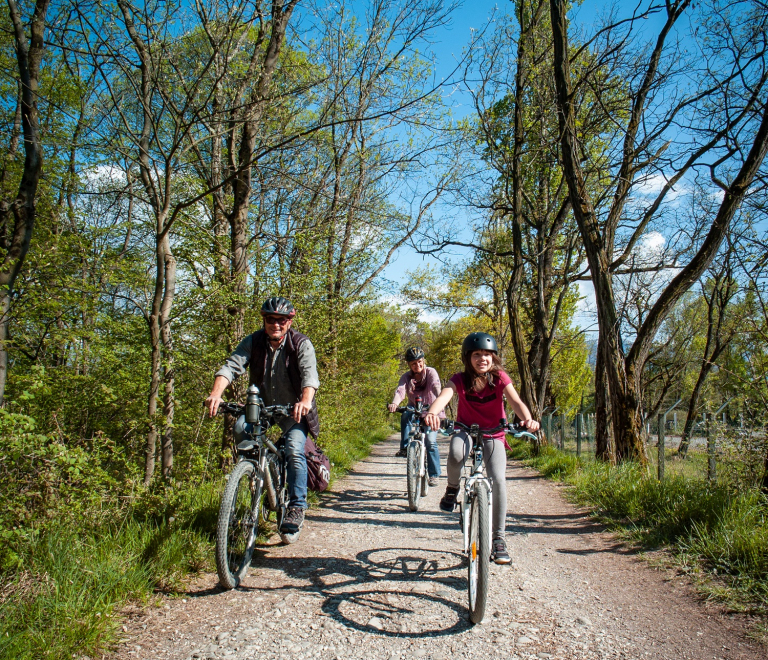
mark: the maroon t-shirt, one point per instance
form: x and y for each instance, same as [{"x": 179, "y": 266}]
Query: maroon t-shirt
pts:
[{"x": 485, "y": 408}]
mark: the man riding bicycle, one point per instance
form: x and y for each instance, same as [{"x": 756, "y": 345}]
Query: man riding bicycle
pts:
[
  {"x": 282, "y": 364},
  {"x": 419, "y": 381}
]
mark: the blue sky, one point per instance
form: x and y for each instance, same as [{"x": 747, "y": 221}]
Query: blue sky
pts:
[{"x": 447, "y": 48}]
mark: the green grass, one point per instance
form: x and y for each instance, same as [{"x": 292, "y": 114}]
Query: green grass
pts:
[
  {"x": 72, "y": 584},
  {"x": 69, "y": 587},
  {"x": 718, "y": 531},
  {"x": 346, "y": 450}
]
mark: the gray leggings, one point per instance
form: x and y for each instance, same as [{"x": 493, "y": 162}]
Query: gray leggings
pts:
[{"x": 495, "y": 459}]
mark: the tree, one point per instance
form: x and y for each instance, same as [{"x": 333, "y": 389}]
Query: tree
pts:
[
  {"x": 735, "y": 141},
  {"x": 18, "y": 213}
]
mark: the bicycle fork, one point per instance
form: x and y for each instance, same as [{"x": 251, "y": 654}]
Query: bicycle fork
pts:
[{"x": 465, "y": 505}]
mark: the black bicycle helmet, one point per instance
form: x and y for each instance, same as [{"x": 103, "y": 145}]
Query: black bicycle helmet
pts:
[
  {"x": 479, "y": 341},
  {"x": 278, "y": 306},
  {"x": 413, "y": 353}
]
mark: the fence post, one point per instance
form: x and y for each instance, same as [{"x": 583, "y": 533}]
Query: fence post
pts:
[
  {"x": 711, "y": 474},
  {"x": 578, "y": 434},
  {"x": 549, "y": 428},
  {"x": 661, "y": 447},
  {"x": 562, "y": 431}
]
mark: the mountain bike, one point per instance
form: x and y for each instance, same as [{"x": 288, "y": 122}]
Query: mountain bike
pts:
[
  {"x": 417, "y": 477},
  {"x": 475, "y": 502},
  {"x": 256, "y": 487}
]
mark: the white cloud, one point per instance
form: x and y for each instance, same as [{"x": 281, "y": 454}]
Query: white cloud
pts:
[{"x": 653, "y": 184}]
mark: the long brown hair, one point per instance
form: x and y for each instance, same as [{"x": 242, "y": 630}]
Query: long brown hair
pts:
[{"x": 469, "y": 373}]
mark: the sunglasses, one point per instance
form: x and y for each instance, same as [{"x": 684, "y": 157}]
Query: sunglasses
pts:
[{"x": 276, "y": 320}]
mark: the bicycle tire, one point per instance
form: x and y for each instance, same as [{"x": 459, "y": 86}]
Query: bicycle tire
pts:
[
  {"x": 479, "y": 553},
  {"x": 425, "y": 478},
  {"x": 237, "y": 526},
  {"x": 414, "y": 487}
]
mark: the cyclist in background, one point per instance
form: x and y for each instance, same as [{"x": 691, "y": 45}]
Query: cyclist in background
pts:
[
  {"x": 481, "y": 389},
  {"x": 419, "y": 381}
]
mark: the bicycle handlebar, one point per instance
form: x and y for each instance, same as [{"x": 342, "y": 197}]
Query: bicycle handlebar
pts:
[
  {"x": 272, "y": 411},
  {"x": 513, "y": 429},
  {"x": 411, "y": 409}
]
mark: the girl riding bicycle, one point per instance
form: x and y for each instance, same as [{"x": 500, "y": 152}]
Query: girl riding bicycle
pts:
[{"x": 481, "y": 389}]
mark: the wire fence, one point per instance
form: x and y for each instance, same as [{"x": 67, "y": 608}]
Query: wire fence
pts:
[{"x": 719, "y": 448}]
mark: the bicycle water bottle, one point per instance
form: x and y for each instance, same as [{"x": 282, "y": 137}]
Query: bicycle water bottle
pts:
[{"x": 252, "y": 405}]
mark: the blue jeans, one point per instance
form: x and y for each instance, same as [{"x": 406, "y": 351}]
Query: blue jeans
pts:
[
  {"x": 296, "y": 461},
  {"x": 433, "y": 453}
]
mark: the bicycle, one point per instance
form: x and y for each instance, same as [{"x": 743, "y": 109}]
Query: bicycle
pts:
[
  {"x": 256, "y": 487},
  {"x": 416, "y": 461},
  {"x": 475, "y": 513}
]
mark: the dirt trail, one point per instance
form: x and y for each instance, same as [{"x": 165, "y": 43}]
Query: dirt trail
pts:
[{"x": 369, "y": 579}]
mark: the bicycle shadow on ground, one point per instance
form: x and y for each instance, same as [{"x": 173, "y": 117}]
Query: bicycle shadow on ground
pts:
[{"x": 379, "y": 592}]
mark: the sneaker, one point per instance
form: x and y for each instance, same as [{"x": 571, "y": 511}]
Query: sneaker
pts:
[
  {"x": 293, "y": 521},
  {"x": 448, "y": 501},
  {"x": 499, "y": 553},
  {"x": 401, "y": 453},
  {"x": 432, "y": 482}
]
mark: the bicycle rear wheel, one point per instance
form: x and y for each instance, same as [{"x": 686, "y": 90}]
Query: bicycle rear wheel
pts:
[
  {"x": 237, "y": 527},
  {"x": 414, "y": 480},
  {"x": 479, "y": 553}
]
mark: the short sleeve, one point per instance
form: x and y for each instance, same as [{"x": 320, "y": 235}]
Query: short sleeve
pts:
[
  {"x": 456, "y": 379},
  {"x": 504, "y": 379}
]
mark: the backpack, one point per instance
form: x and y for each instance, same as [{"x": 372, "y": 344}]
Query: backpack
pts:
[{"x": 318, "y": 467}]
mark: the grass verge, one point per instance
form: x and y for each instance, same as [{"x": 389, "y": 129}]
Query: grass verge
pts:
[
  {"x": 712, "y": 530},
  {"x": 66, "y": 595}
]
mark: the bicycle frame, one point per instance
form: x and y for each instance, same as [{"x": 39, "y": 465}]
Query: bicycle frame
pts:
[
  {"x": 269, "y": 464},
  {"x": 475, "y": 473}
]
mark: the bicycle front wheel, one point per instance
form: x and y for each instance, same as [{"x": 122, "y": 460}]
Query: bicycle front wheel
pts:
[
  {"x": 424, "y": 471},
  {"x": 414, "y": 479},
  {"x": 479, "y": 553},
  {"x": 237, "y": 527}
]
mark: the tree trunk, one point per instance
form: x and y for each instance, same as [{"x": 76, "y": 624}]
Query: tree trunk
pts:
[
  {"x": 604, "y": 450},
  {"x": 169, "y": 403},
  {"x": 21, "y": 212},
  {"x": 627, "y": 422},
  {"x": 5, "y": 310},
  {"x": 154, "y": 392}
]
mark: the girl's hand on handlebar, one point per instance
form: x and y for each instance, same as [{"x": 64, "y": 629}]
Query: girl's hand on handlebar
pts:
[
  {"x": 432, "y": 421},
  {"x": 530, "y": 424},
  {"x": 392, "y": 407}
]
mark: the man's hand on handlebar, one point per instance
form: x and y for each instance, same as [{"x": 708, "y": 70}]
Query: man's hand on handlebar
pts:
[
  {"x": 213, "y": 403},
  {"x": 300, "y": 409}
]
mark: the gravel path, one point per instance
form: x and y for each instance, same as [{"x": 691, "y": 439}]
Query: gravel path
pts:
[{"x": 369, "y": 580}]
